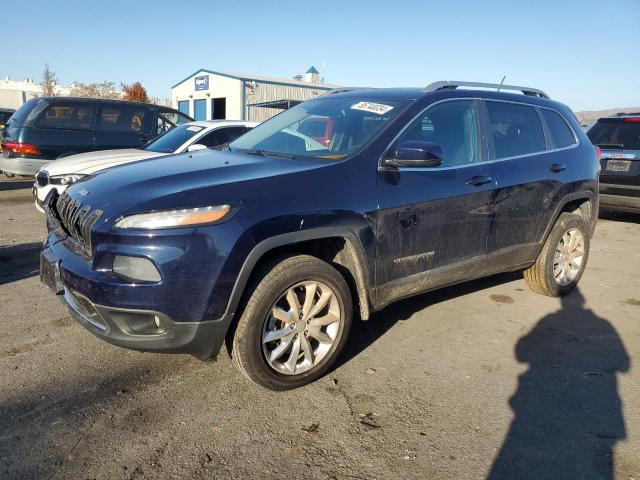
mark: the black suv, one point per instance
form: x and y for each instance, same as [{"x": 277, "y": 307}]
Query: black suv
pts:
[
  {"x": 276, "y": 241},
  {"x": 44, "y": 129},
  {"x": 618, "y": 139}
]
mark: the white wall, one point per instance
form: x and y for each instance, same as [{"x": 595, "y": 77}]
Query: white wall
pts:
[
  {"x": 219, "y": 86},
  {"x": 13, "y": 93}
]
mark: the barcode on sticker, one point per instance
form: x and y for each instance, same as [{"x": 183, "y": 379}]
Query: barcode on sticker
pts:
[{"x": 379, "y": 108}]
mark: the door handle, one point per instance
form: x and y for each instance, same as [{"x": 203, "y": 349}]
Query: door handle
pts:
[
  {"x": 557, "y": 167},
  {"x": 478, "y": 180}
]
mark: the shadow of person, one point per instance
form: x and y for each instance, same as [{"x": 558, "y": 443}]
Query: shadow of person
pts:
[{"x": 568, "y": 415}]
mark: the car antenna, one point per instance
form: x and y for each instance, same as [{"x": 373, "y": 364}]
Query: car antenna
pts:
[{"x": 502, "y": 82}]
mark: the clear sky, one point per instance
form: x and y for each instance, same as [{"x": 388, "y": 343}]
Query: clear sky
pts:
[{"x": 585, "y": 53}]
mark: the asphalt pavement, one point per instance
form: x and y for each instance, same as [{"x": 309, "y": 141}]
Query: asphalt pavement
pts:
[{"x": 485, "y": 380}]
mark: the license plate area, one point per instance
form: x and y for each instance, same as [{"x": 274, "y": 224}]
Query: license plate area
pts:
[
  {"x": 50, "y": 272},
  {"x": 618, "y": 165}
]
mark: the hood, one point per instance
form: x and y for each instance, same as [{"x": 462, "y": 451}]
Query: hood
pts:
[
  {"x": 187, "y": 180},
  {"x": 91, "y": 162}
]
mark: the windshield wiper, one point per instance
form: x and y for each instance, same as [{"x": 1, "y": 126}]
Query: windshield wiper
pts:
[
  {"x": 610, "y": 145},
  {"x": 265, "y": 153}
]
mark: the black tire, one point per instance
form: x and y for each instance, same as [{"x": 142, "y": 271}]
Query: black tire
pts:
[
  {"x": 539, "y": 276},
  {"x": 268, "y": 286}
]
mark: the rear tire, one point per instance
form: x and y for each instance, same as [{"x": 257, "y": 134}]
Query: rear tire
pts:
[
  {"x": 294, "y": 324},
  {"x": 563, "y": 258}
]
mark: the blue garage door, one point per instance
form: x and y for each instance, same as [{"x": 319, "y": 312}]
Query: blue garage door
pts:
[
  {"x": 183, "y": 106},
  {"x": 199, "y": 109}
]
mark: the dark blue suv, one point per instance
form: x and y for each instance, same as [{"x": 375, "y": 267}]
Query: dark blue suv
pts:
[{"x": 273, "y": 243}]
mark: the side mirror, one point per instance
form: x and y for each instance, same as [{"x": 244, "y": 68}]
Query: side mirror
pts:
[
  {"x": 416, "y": 154},
  {"x": 195, "y": 147}
]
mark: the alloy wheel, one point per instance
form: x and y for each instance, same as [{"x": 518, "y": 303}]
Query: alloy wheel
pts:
[{"x": 301, "y": 327}]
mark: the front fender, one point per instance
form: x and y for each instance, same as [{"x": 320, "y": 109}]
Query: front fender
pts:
[{"x": 263, "y": 237}]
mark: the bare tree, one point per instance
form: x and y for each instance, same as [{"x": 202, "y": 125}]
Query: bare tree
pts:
[
  {"x": 95, "y": 90},
  {"x": 48, "y": 84}
]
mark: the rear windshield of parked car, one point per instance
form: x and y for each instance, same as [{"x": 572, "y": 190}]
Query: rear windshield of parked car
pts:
[
  {"x": 354, "y": 123},
  {"x": 616, "y": 133},
  {"x": 561, "y": 135},
  {"x": 515, "y": 128},
  {"x": 20, "y": 115},
  {"x": 173, "y": 139}
]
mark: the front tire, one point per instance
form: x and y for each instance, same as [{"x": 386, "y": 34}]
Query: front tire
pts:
[
  {"x": 563, "y": 258},
  {"x": 294, "y": 324}
]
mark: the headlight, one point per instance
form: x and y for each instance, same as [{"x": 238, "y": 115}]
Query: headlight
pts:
[
  {"x": 175, "y": 218},
  {"x": 64, "y": 179}
]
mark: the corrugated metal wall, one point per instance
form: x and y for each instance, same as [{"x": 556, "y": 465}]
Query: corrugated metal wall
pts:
[{"x": 268, "y": 92}]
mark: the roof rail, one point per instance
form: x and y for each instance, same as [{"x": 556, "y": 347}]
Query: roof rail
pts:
[
  {"x": 452, "y": 85},
  {"x": 345, "y": 89}
]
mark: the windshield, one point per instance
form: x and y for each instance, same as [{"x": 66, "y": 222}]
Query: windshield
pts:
[
  {"x": 173, "y": 139},
  {"x": 616, "y": 133},
  {"x": 348, "y": 124}
]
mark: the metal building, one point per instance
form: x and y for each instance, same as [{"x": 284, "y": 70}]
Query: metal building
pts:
[{"x": 207, "y": 94}]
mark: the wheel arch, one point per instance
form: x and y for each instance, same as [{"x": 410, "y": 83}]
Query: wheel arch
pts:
[
  {"x": 338, "y": 246},
  {"x": 584, "y": 203}
]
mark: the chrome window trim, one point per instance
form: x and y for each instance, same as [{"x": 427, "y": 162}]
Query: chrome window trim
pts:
[{"x": 494, "y": 160}]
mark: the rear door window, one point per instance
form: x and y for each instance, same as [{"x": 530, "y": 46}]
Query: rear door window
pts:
[
  {"x": 616, "y": 133},
  {"x": 561, "y": 134},
  {"x": 123, "y": 118},
  {"x": 515, "y": 129},
  {"x": 68, "y": 116}
]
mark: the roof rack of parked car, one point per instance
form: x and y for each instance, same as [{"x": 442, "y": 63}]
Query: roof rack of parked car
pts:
[{"x": 452, "y": 85}]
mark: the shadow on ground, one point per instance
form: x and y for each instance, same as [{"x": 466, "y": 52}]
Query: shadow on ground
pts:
[
  {"x": 44, "y": 427},
  {"x": 567, "y": 411},
  {"x": 15, "y": 185},
  {"x": 625, "y": 217},
  {"x": 18, "y": 262}
]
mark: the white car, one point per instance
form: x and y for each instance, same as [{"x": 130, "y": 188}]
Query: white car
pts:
[{"x": 191, "y": 136}]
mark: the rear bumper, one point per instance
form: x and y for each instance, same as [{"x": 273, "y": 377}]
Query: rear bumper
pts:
[
  {"x": 118, "y": 326},
  {"x": 27, "y": 166},
  {"x": 620, "y": 202}
]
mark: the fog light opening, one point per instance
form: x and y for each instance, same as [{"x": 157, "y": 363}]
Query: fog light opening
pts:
[
  {"x": 156, "y": 320},
  {"x": 135, "y": 268}
]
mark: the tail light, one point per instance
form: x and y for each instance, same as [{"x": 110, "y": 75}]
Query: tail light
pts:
[
  {"x": 599, "y": 155},
  {"x": 632, "y": 119},
  {"x": 21, "y": 148}
]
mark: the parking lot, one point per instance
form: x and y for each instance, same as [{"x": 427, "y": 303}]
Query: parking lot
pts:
[{"x": 482, "y": 380}]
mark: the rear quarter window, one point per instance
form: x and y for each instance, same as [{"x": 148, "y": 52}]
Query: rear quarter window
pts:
[
  {"x": 68, "y": 116},
  {"x": 515, "y": 129},
  {"x": 561, "y": 134}
]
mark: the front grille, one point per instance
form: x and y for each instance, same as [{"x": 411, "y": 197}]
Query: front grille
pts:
[
  {"x": 42, "y": 178},
  {"x": 76, "y": 219}
]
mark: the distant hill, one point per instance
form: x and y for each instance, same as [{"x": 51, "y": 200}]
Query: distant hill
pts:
[{"x": 588, "y": 117}]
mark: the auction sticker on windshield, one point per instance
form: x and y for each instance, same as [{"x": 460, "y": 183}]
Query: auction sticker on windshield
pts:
[
  {"x": 379, "y": 108},
  {"x": 194, "y": 129}
]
